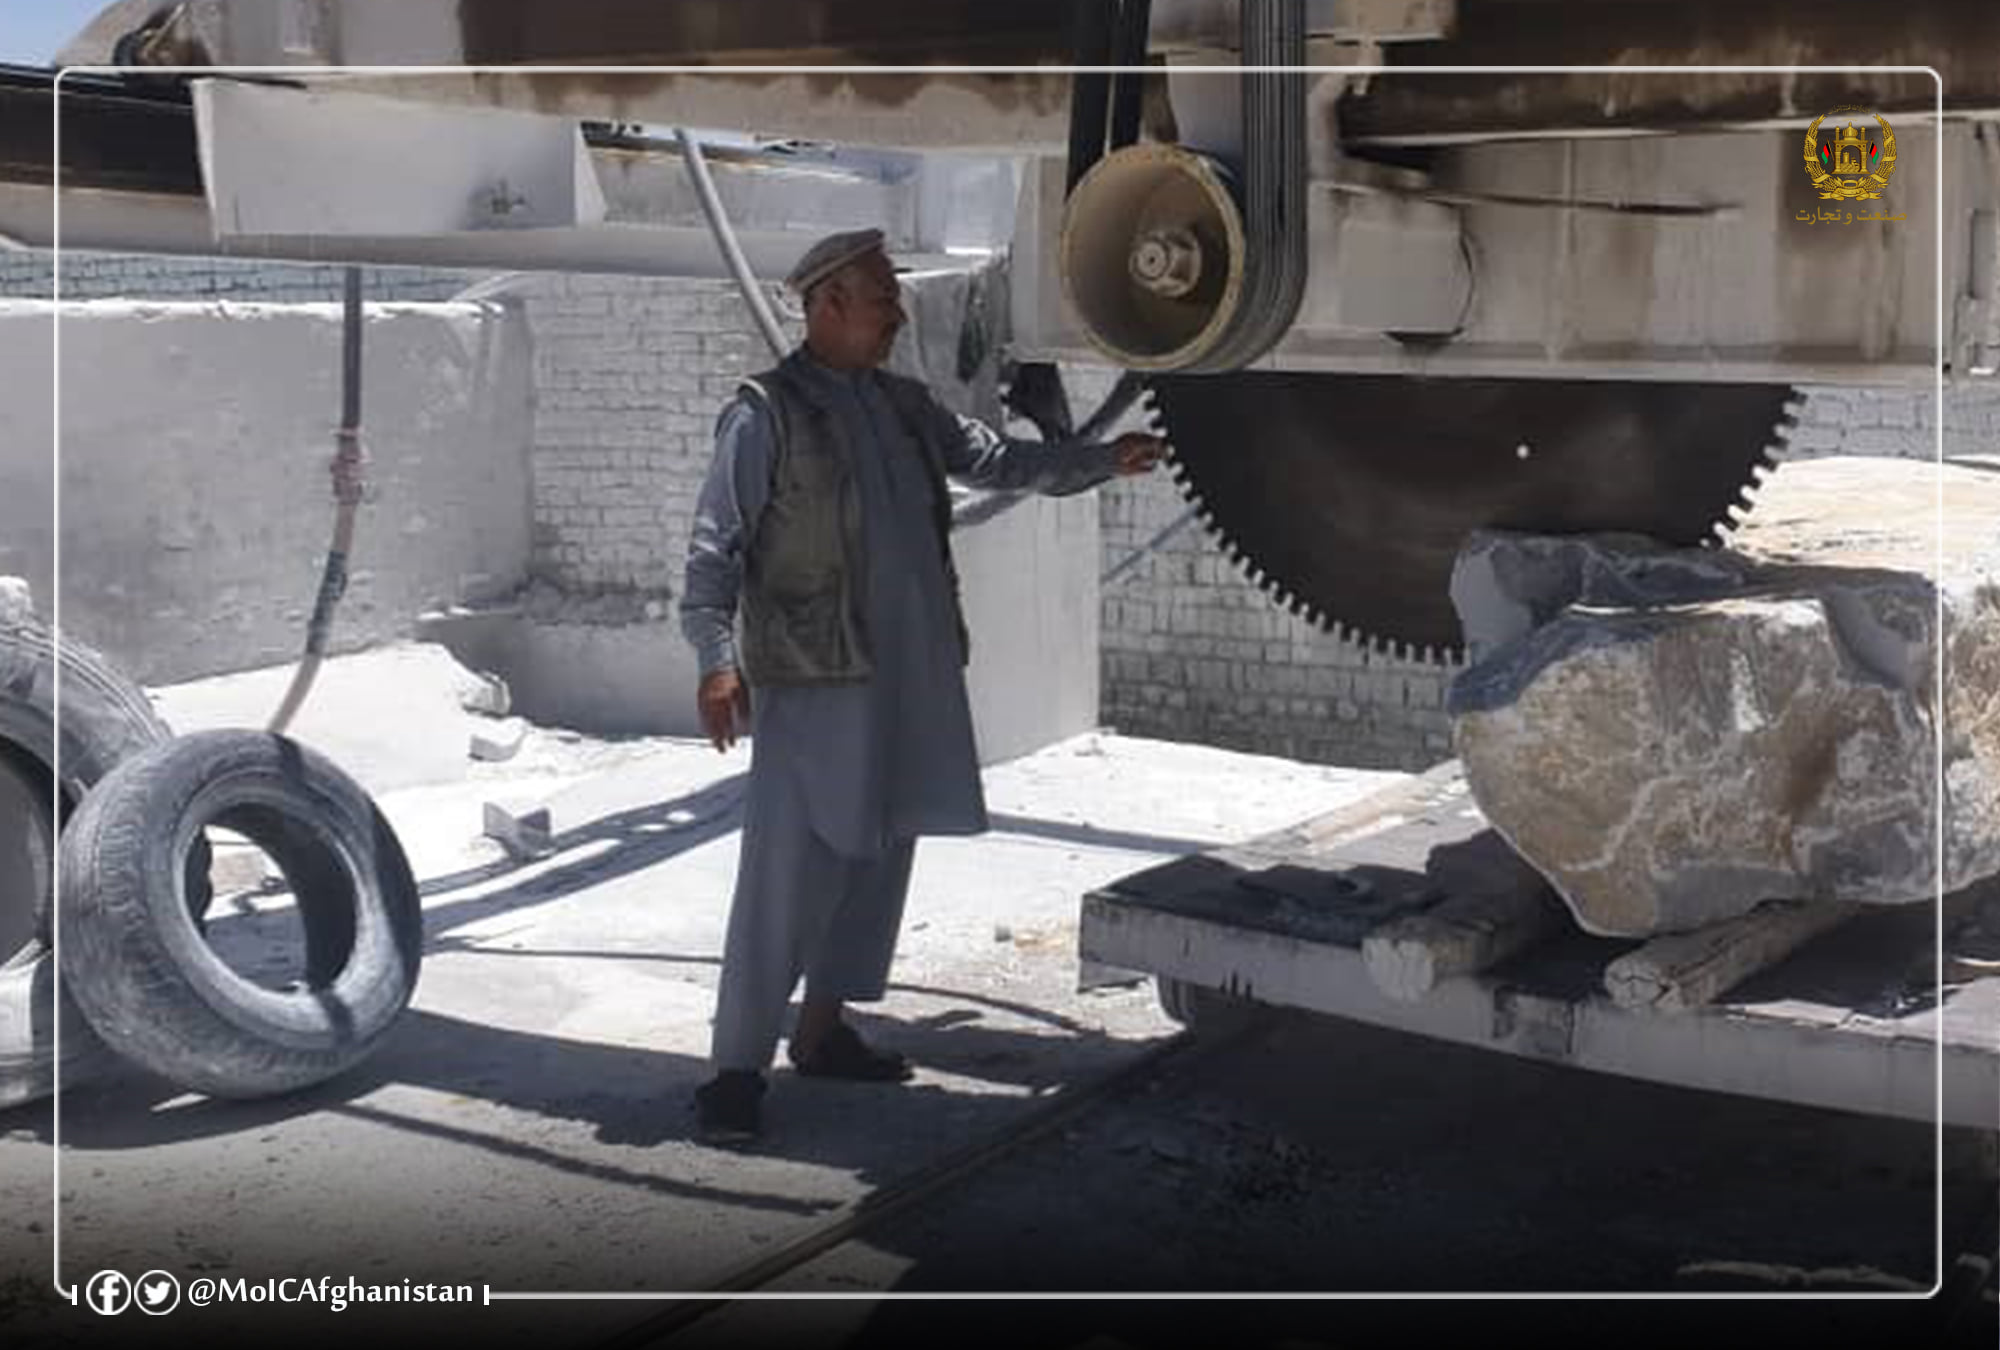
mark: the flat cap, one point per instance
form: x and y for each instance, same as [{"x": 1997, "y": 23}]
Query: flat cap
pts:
[{"x": 831, "y": 254}]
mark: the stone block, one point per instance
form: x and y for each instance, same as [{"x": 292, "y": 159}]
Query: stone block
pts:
[
  {"x": 501, "y": 741},
  {"x": 1676, "y": 736}
]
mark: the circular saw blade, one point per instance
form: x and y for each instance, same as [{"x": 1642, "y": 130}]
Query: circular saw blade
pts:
[{"x": 1347, "y": 497}]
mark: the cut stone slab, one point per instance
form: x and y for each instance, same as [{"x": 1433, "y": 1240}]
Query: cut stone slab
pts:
[
  {"x": 1674, "y": 736},
  {"x": 489, "y": 695},
  {"x": 1677, "y": 972},
  {"x": 501, "y": 741},
  {"x": 525, "y": 835},
  {"x": 1495, "y": 905}
]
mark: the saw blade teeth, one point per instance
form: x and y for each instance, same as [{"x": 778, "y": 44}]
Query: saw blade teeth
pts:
[{"x": 1310, "y": 502}]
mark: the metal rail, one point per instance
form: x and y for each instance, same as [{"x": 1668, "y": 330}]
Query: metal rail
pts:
[{"x": 1178, "y": 1053}]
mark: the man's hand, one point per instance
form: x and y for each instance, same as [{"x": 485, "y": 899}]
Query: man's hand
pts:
[
  {"x": 1137, "y": 452},
  {"x": 724, "y": 701}
]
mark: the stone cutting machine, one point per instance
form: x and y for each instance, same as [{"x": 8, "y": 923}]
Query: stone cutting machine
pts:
[
  {"x": 1384, "y": 272},
  {"x": 1410, "y": 291}
]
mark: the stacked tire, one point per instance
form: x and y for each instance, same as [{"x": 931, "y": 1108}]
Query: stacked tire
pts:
[
  {"x": 128, "y": 820},
  {"x": 139, "y": 964},
  {"x": 106, "y": 720}
]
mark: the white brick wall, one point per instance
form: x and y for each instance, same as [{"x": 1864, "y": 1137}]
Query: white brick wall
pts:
[
  {"x": 1191, "y": 650},
  {"x": 629, "y": 376},
  {"x": 101, "y": 276},
  {"x": 1833, "y": 420}
]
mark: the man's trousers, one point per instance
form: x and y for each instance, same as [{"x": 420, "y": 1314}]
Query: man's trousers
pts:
[{"x": 800, "y": 909}]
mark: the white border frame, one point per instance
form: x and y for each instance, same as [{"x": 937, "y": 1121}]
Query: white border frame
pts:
[{"x": 72, "y": 1292}]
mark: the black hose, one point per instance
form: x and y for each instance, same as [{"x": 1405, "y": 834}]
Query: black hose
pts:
[
  {"x": 350, "y": 350},
  {"x": 347, "y": 496}
]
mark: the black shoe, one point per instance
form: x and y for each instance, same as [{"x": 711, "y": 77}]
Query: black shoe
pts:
[
  {"x": 729, "y": 1107},
  {"x": 841, "y": 1053}
]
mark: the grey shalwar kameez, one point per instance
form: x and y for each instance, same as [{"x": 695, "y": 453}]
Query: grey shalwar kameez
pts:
[{"x": 844, "y": 777}]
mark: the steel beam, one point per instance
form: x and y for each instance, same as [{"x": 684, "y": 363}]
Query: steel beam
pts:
[
  {"x": 115, "y": 134},
  {"x": 1961, "y": 41},
  {"x": 96, "y": 220}
]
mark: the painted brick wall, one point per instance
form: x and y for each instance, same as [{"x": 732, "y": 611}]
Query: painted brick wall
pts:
[
  {"x": 1191, "y": 650},
  {"x": 629, "y": 376},
  {"x": 1839, "y": 421},
  {"x": 103, "y": 276}
]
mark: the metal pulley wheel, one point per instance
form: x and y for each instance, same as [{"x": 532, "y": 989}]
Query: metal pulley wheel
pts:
[{"x": 1153, "y": 255}]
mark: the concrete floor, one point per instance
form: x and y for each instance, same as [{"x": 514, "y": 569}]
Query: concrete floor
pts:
[{"x": 526, "y": 1126}]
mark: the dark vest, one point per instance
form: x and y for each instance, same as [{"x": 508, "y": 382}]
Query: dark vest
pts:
[{"x": 805, "y": 574}]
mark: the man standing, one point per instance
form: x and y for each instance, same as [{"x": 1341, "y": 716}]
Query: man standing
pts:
[{"x": 826, "y": 518}]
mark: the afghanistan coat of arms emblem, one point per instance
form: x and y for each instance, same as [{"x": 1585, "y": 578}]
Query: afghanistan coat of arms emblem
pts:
[{"x": 1846, "y": 165}]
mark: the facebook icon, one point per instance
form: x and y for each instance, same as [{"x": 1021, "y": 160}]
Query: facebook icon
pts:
[{"x": 108, "y": 1292}]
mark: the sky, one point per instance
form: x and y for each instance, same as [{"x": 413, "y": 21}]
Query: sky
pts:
[{"x": 31, "y": 30}]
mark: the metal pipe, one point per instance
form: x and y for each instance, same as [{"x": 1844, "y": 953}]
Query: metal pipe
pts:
[
  {"x": 1128, "y": 565},
  {"x": 725, "y": 240}
]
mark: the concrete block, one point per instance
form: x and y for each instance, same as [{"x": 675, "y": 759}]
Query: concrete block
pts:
[
  {"x": 489, "y": 695},
  {"x": 501, "y": 742},
  {"x": 525, "y": 836}
]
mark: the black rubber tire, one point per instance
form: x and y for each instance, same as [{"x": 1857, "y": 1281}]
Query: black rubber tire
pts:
[
  {"x": 1205, "y": 1012},
  {"x": 27, "y": 1033},
  {"x": 139, "y": 967},
  {"x": 27, "y": 974},
  {"x": 106, "y": 718},
  {"x": 27, "y": 861}
]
